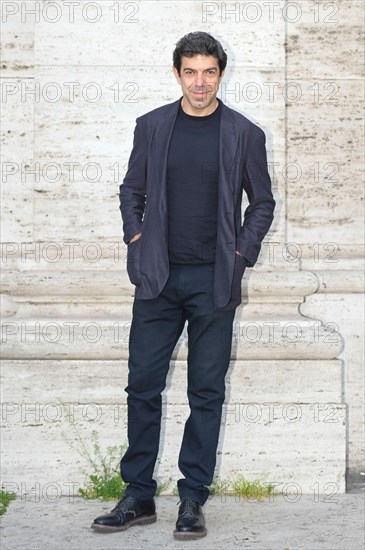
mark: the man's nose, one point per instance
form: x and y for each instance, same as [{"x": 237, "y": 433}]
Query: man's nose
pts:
[{"x": 199, "y": 80}]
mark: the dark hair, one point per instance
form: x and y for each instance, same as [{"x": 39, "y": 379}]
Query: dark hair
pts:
[{"x": 196, "y": 43}]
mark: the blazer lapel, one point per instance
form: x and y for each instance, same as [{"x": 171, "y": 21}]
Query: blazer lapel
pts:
[
  {"x": 228, "y": 145},
  {"x": 161, "y": 147},
  {"x": 162, "y": 140}
]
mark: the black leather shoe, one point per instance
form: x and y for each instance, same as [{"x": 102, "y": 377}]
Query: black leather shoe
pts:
[
  {"x": 129, "y": 511},
  {"x": 190, "y": 523}
]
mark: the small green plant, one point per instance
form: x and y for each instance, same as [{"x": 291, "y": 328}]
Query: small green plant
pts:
[
  {"x": 238, "y": 487},
  {"x": 251, "y": 489},
  {"x": 105, "y": 482},
  {"x": 163, "y": 486},
  {"x": 219, "y": 487},
  {"x": 5, "y": 498}
]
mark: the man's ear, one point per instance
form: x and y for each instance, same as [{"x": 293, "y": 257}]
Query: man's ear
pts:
[{"x": 177, "y": 76}]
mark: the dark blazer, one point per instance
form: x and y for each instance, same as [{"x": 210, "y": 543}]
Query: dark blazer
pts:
[{"x": 143, "y": 203}]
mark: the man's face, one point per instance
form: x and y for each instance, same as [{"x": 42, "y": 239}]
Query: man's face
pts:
[{"x": 199, "y": 79}]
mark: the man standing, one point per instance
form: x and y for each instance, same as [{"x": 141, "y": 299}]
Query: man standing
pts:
[{"x": 187, "y": 252}]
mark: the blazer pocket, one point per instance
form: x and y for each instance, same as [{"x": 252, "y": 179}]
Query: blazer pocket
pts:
[{"x": 133, "y": 262}]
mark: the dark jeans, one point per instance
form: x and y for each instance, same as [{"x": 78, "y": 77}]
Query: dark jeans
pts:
[{"x": 155, "y": 330}]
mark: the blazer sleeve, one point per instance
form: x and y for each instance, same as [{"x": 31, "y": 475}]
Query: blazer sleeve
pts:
[
  {"x": 258, "y": 215},
  {"x": 132, "y": 191}
]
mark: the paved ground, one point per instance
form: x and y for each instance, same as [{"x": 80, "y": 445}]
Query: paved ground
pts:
[{"x": 321, "y": 523}]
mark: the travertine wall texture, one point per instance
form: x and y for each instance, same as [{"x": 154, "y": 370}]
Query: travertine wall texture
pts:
[{"x": 74, "y": 78}]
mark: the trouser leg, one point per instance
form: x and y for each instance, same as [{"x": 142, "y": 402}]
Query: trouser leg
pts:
[
  {"x": 155, "y": 330},
  {"x": 209, "y": 352}
]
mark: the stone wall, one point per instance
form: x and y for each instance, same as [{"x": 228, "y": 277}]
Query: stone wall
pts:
[{"x": 72, "y": 86}]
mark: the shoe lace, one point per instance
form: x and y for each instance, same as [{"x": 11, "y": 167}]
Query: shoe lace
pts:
[
  {"x": 123, "y": 513},
  {"x": 116, "y": 507},
  {"x": 188, "y": 507}
]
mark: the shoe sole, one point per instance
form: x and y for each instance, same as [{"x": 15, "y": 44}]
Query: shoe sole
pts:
[
  {"x": 141, "y": 520},
  {"x": 189, "y": 535}
]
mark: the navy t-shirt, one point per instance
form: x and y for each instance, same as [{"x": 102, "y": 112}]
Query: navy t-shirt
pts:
[{"x": 192, "y": 188}]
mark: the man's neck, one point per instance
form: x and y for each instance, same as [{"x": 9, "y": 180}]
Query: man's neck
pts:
[{"x": 199, "y": 112}]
